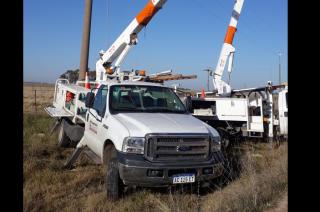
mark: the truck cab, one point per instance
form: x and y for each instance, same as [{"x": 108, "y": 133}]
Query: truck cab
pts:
[{"x": 153, "y": 134}]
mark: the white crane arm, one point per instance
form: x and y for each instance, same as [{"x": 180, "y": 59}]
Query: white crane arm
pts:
[
  {"x": 227, "y": 52},
  {"x": 120, "y": 48}
]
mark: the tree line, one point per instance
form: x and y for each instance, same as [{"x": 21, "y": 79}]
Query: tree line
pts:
[{"x": 72, "y": 75}]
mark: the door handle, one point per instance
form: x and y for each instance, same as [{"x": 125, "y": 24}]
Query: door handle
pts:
[{"x": 87, "y": 117}]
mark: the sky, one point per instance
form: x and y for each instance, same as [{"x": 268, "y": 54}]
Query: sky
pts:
[{"x": 185, "y": 36}]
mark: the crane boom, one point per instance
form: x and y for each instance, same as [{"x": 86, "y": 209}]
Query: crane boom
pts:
[
  {"x": 227, "y": 52},
  {"x": 127, "y": 39}
]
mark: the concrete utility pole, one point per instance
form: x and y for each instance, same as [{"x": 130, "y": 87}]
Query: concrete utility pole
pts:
[
  {"x": 280, "y": 54},
  {"x": 85, "y": 40}
]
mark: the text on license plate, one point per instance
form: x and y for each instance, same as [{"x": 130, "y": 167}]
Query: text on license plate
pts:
[{"x": 184, "y": 178}]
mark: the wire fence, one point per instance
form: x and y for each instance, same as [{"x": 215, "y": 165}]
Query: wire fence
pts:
[{"x": 36, "y": 98}]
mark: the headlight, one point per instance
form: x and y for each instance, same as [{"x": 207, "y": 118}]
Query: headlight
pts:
[
  {"x": 215, "y": 144},
  {"x": 133, "y": 145}
]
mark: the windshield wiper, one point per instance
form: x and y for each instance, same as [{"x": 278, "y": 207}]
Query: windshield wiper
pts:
[
  {"x": 126, "y": 108},
  {"x": 164, "y": 110}
]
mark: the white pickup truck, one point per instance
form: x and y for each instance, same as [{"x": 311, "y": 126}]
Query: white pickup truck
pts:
[{"x": 140, "y": 130}]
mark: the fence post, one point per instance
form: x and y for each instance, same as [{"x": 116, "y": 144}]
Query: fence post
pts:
[{"x": 35, "y": 100}]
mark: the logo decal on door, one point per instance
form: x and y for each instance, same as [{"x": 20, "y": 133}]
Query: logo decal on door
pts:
[{"x": 93, "y": 127}]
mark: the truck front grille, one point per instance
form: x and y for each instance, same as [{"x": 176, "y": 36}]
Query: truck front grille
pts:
[{"x": 177, "y": 147}]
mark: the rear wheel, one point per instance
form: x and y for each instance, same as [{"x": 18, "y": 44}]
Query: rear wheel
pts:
[{"x": 63, "y": 140}]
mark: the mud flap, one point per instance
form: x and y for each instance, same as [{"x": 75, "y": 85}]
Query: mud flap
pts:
[{"x": 74, "y": 132}]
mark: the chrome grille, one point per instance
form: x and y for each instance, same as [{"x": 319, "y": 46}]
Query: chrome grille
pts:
[{"x": 177, "y": 147}]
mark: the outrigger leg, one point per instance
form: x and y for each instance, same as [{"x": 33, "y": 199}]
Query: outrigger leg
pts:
[
  {"x": 76, "y": 153},
  {"x": 58, "y": 122}
]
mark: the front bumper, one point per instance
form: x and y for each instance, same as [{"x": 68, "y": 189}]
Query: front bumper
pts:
[{"x": 135, "y": 170}]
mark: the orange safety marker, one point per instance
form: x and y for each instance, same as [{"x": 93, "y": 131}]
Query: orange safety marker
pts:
[
  {"x": 87, "y": 84},
  {"x": 203, "y": 94}
]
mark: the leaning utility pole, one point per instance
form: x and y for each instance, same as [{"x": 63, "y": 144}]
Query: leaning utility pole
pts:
[{"x": 85, "y": 40}]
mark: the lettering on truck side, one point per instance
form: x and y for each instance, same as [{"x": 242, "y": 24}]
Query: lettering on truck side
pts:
[{"x": 93, "y": 127}]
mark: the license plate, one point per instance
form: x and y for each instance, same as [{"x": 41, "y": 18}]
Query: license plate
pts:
[{"x": 183, "y": 178}]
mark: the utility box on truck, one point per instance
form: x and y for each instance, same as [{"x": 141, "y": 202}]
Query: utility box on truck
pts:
[{"x": 255, "y": 112}]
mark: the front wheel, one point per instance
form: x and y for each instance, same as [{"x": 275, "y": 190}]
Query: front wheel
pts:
[{"x": 114, "y": 184}]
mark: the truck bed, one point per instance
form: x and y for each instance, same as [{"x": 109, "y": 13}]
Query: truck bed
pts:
[
  {"x": 66, "y": 106},
  {"x": 58, "y": 112}
]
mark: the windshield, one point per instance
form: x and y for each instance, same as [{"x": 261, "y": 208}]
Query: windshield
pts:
[{"x": 139, "y": 98}]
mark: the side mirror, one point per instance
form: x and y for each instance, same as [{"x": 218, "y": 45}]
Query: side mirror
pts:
[{"x": 89, "y": 100}]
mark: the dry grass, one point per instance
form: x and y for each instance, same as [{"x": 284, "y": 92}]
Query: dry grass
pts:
[
  {"x": 44, "y": 96},
  {"x": 47, "y": 187},
  {"x": 263, "y": 180}
]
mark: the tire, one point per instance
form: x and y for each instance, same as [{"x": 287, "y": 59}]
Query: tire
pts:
[
  {"x": 225, "y": 141},
  {"x": 114, "y": 184},
  {"x": 63, "y": 140}
]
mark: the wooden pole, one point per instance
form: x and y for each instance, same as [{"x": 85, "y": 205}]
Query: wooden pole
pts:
[{"x": 85, "y": 40}]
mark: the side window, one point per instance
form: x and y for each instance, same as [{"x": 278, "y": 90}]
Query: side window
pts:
[
  {"x": 254, "y": 111},
  {"x": 100, "y": 100},
  {"x": 287, "y": 99}
]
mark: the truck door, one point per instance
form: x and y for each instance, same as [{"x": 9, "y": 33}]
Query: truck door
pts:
[
  {"x": 94, "y": 117},
  {"x": 255, "y": 118},
  {"x": 283, "y": 112}
]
